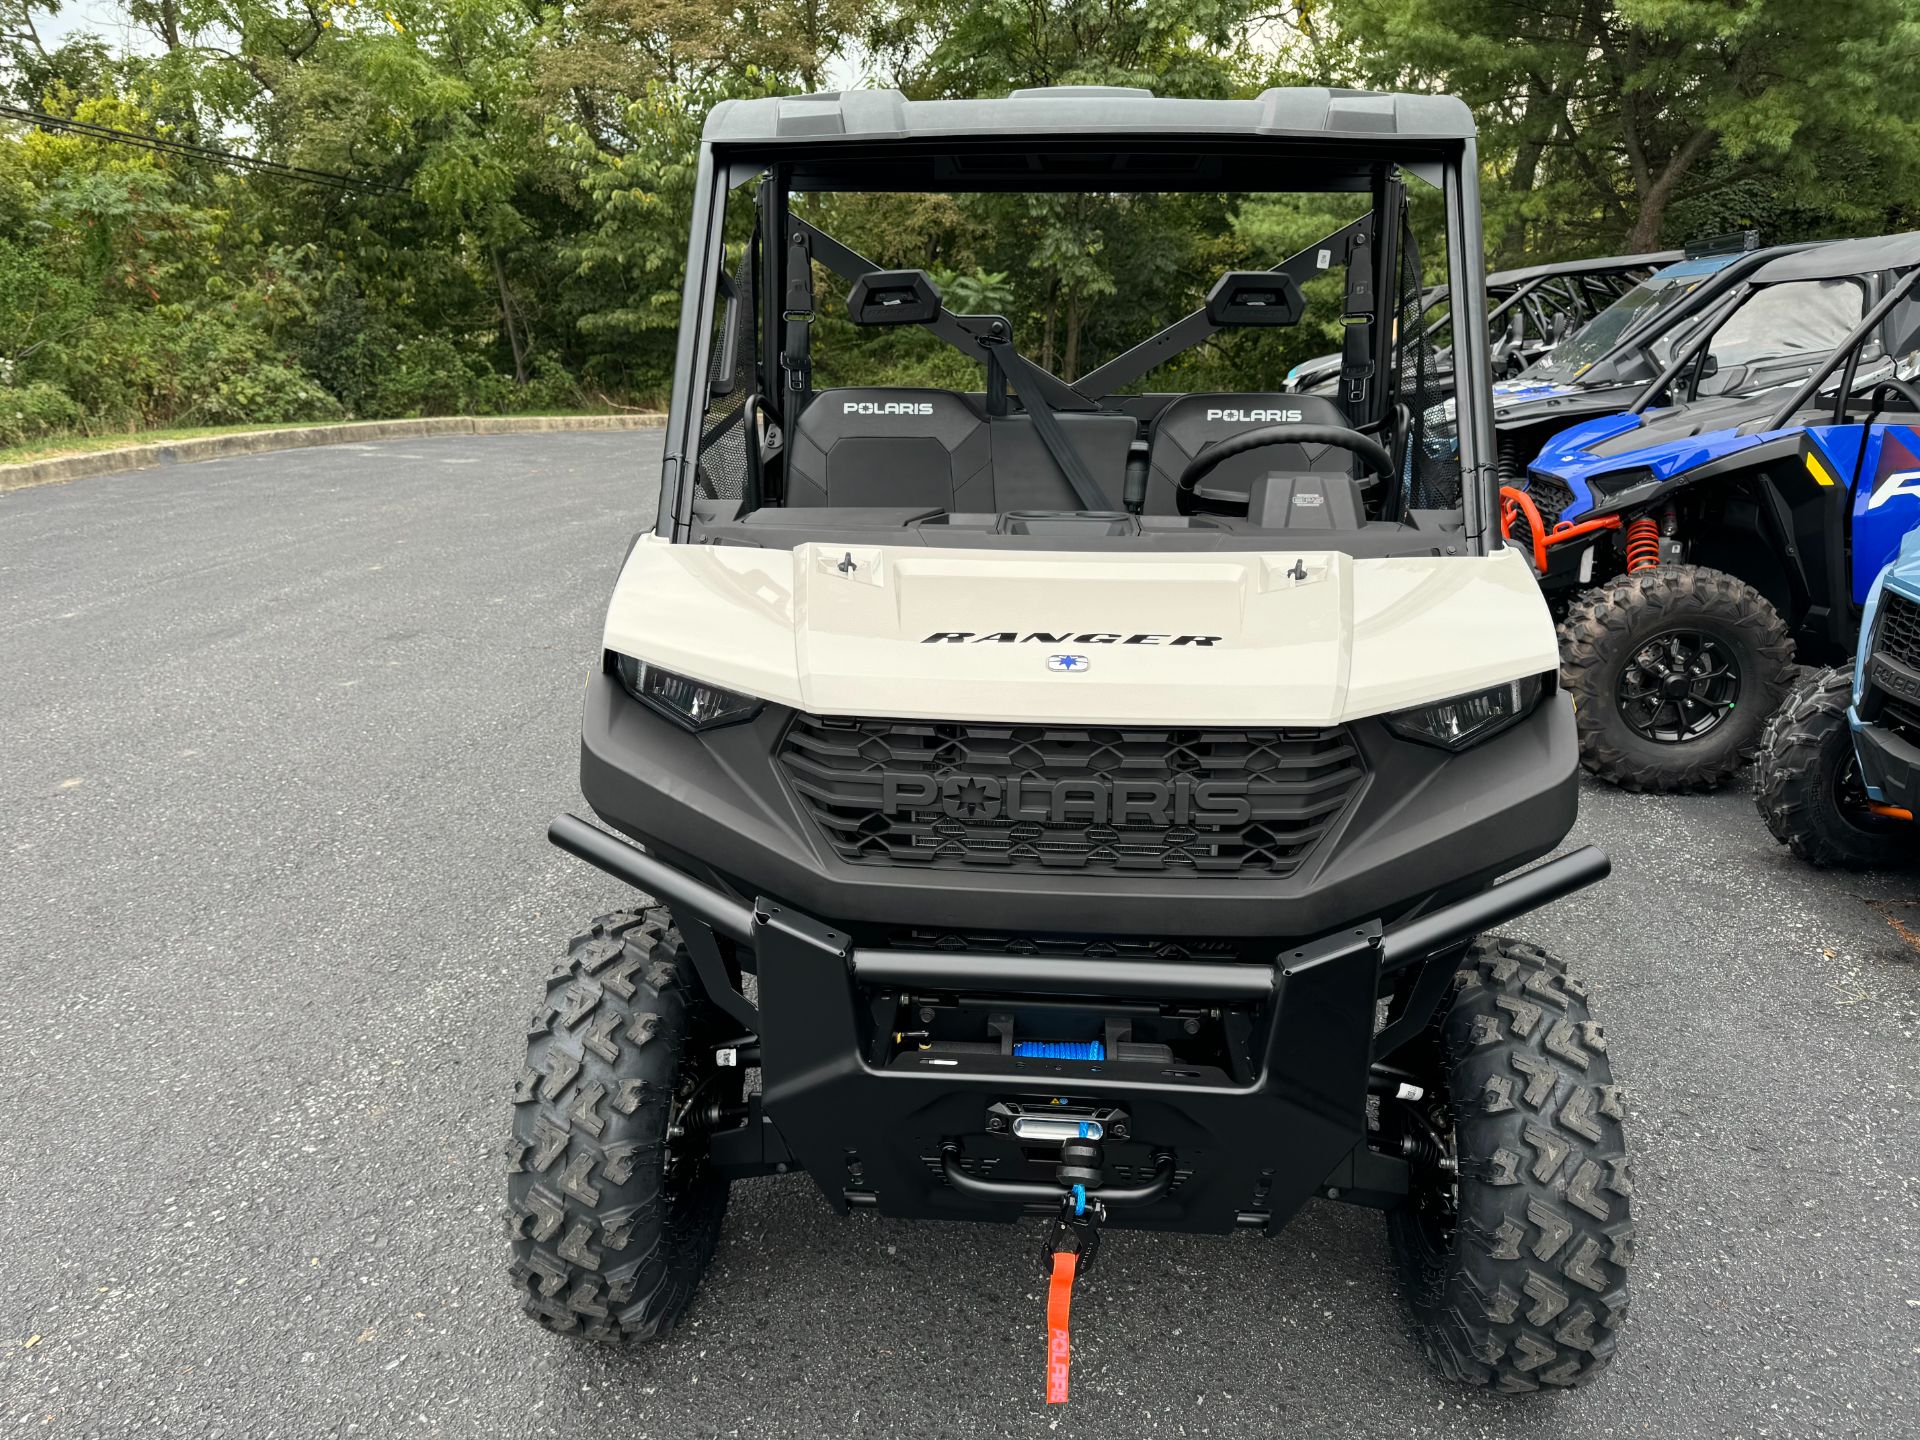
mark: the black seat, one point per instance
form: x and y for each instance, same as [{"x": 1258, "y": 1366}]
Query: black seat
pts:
[
  {"x": 1027, "y": 477},
  {"x": 891, "y": 447},
  {"x": 900, "y": 447},
  {"x": 1194, "y": 422}
]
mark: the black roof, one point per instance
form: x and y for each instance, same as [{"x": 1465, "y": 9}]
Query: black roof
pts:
[
  {"x": 1842, "y": 258},
  {"x": 1067, "y": 111}
]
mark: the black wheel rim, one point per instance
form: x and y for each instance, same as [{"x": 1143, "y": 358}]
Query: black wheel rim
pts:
[{"x": 1678, "y": 687}]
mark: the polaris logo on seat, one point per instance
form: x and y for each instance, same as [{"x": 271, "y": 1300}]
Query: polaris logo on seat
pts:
[
  {"x": 891, "y": 407},
  {"x": 1256, "y": 417}
]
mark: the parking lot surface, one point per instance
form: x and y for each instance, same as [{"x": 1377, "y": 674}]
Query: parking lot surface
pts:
[{"x": 279, "y": 739}]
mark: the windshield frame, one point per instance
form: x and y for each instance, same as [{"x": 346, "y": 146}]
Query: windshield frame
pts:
[{"x": 1333, "y": 164}]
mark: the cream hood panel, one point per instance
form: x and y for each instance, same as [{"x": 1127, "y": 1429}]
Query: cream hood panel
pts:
[
  {"x": 1201, "y": 639},
  {"x": 1431, "y": 627},
  {"x": 719, "y": 613}
]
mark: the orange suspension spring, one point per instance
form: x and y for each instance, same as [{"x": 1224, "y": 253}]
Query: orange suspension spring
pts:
[{"x": 1643, "y": 544}]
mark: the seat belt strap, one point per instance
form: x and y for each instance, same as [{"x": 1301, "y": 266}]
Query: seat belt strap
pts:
[
  {"x": 796, "y": 357},
  {"x": 1046, "y": 424}
]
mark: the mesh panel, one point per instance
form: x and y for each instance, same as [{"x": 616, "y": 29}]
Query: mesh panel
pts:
[
  {"x": 723, "y": 432},
  {"x": 1899, "y": 630},
  {"x": 1433, "y": 442}
]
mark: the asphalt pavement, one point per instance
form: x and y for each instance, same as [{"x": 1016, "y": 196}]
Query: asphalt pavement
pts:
[{"x": 279, "y": 739}]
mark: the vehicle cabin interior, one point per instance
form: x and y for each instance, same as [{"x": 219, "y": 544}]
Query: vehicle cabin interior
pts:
[
  {"x": 1101, "y": 460},
  {"x": 1839, "y": 323}
]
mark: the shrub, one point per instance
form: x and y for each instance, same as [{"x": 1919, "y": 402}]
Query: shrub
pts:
[
  {"x": 432, "y": 375},
  {"x": 36, "y": 410}
]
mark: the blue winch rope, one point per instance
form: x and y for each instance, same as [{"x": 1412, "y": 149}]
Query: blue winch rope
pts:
[{"x": 1060, "y": 1049}]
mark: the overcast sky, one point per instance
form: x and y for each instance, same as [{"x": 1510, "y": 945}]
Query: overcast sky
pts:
[{"x": 106, "y": 18}]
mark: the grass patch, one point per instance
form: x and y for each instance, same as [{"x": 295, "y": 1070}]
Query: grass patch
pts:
[{"x": 55, "y": 446}]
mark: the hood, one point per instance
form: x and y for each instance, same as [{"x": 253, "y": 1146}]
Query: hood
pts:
[
  {"x": 1522, "y": 388},
  {"x": 1562, "y": 404},
  {"x": 1656, "y": 445},
  {"x": 1903, "y": 574},
  {"x": 1081, "y": 638}
]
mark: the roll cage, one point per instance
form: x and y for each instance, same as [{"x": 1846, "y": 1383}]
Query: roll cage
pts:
[
  {"x": 1633, "y": 356},
  {"x": 1534, "y": 308},
  {"x": 743, "y": 373},
  {"x": 1886, "y": 267},
  {"x": 1529, "y": 310}
]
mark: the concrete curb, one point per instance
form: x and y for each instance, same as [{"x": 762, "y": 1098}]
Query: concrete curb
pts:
[{"x": 253, "y": 442}]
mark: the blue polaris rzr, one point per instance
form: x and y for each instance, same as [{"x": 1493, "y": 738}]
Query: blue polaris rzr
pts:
[
  {"x": 1600, "y": 368},
  {"x": 1838, "y": 778},
  {"x": 1692, "y": 546}
]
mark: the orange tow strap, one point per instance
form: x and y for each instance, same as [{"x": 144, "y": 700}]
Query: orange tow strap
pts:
[{"x": 1059, "y": 1299}]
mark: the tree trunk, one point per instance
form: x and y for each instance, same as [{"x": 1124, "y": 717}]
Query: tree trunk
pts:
[
  {"x": 506, "y": 319},
  {"x": 1657, "y": 195},
  {"x": 1538, "y": 116}
]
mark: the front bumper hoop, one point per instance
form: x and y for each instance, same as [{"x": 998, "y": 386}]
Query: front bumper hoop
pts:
[{"x": 1208, "y": 1149}]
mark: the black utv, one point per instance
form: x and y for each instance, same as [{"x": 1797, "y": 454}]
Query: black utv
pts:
[{"x": 1060, "y": 798}]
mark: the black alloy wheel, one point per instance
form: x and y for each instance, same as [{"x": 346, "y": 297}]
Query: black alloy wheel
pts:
[{"x": 1678, "y": 687}]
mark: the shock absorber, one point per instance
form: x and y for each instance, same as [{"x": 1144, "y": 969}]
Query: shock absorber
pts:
[{"x": 1643, "y": 543}]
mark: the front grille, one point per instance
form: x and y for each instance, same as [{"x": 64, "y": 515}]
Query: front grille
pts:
[
  {"x": 1095, "y": 800},
  {"x": 1550, "y": 493},
  {"x": 1897, "y": 636}
]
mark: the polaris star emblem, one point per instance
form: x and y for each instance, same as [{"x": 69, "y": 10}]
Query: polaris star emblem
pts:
[{"x": 1068, "y": 662}]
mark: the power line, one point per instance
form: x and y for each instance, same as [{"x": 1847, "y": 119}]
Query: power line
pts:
[{"x": 162, "y": 145}]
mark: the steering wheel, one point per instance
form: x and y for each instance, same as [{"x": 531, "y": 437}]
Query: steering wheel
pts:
[{"x": 1188, "y": 500}]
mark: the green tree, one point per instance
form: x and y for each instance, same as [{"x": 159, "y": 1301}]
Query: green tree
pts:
[{"x": 1599, "y": 118}]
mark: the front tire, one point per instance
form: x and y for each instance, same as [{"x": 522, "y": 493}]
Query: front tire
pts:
[
  {"x": 614, "y": 1219},
  {"x": 1807, "y": 783},
  {"x": 1513, "y": 1263},
  {"x": 1674, "y": 672}
]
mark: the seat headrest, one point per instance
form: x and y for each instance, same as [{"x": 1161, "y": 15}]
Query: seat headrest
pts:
[{"x": 1217, "y": 416}]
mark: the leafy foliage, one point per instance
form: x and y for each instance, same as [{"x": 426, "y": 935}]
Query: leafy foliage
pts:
[{"x": 515, "y": 235}]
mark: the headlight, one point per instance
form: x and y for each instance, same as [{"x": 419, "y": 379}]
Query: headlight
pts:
[
  {"x": 692, "y": 703},
  {"x": 1468, "y": 719},
  {"x": 1622, "y": 487}
]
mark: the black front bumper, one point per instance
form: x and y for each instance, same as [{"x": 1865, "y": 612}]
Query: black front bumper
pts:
[{"x": 914, "y": 1131}]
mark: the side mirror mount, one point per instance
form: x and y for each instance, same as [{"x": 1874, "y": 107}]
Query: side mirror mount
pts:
[
  {"x": 894, "y": 297},
  {"x": 1247, "y": 298}
]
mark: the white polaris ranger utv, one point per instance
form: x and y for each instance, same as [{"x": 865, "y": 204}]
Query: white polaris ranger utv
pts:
[{"x": 1107, "y": 789}]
